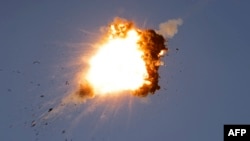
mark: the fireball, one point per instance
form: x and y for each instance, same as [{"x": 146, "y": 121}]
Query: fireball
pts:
[
  {"x": 118, "y": 65},
  {"x": 127, "y": 60}
]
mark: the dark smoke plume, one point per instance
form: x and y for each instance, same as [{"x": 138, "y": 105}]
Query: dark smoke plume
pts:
[
  {"x": 84, "y": 91},
  {"x": 152, "y": 44}
]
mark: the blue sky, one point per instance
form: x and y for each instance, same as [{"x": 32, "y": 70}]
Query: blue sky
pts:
[{"x": 206, "y": 82}]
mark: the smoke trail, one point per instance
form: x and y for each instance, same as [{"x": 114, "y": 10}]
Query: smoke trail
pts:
[{"x": 169, "y": 28}]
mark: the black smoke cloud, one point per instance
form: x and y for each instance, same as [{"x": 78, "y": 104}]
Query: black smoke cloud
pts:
[{"x": 152, "y": 45}]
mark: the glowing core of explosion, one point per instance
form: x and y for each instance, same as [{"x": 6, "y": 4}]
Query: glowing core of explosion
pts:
[{"x": 118, "y": 65}]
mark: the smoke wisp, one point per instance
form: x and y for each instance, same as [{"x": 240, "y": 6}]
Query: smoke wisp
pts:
[{"x": 169, "y": 28}]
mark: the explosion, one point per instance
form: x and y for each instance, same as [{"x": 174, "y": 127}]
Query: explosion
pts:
[{"x": 128, "y": 60}]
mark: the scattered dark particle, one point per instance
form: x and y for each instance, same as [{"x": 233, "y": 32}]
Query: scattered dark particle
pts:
[
  {"x": 36, "y": 62},
  {"x": 38, "y": 84},
  {"x": 177, "y": 49},
  {"x": 18, "y": 71},
  {"x": 33, "y": 123},
  {"x": 180, "y": 70},
  {"x": 31, "y": 82},
  {"x": 46, "y": 123},
  {"x": 164, "y": 88},
  {"x": 41, "y": 96},
  {"x": 67, "y": 83},
  {"x": 63, "y": 131},
  {"x": 37, "y": 133},
  {"x": 9, "y": 90},
  {"x": 50, "y": 109}
]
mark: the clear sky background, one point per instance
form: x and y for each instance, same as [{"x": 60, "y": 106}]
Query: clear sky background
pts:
[{"x": 205, "y": 84}]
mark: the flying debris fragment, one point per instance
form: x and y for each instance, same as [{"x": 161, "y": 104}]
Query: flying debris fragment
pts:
[
  {"x": 36, "y": 62},
  {"x": 50, "y": 109},
  {"x": 9, "y": 90},
  {"x": 33, "y": 123},
  {"x": 63, "y": 131}
]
